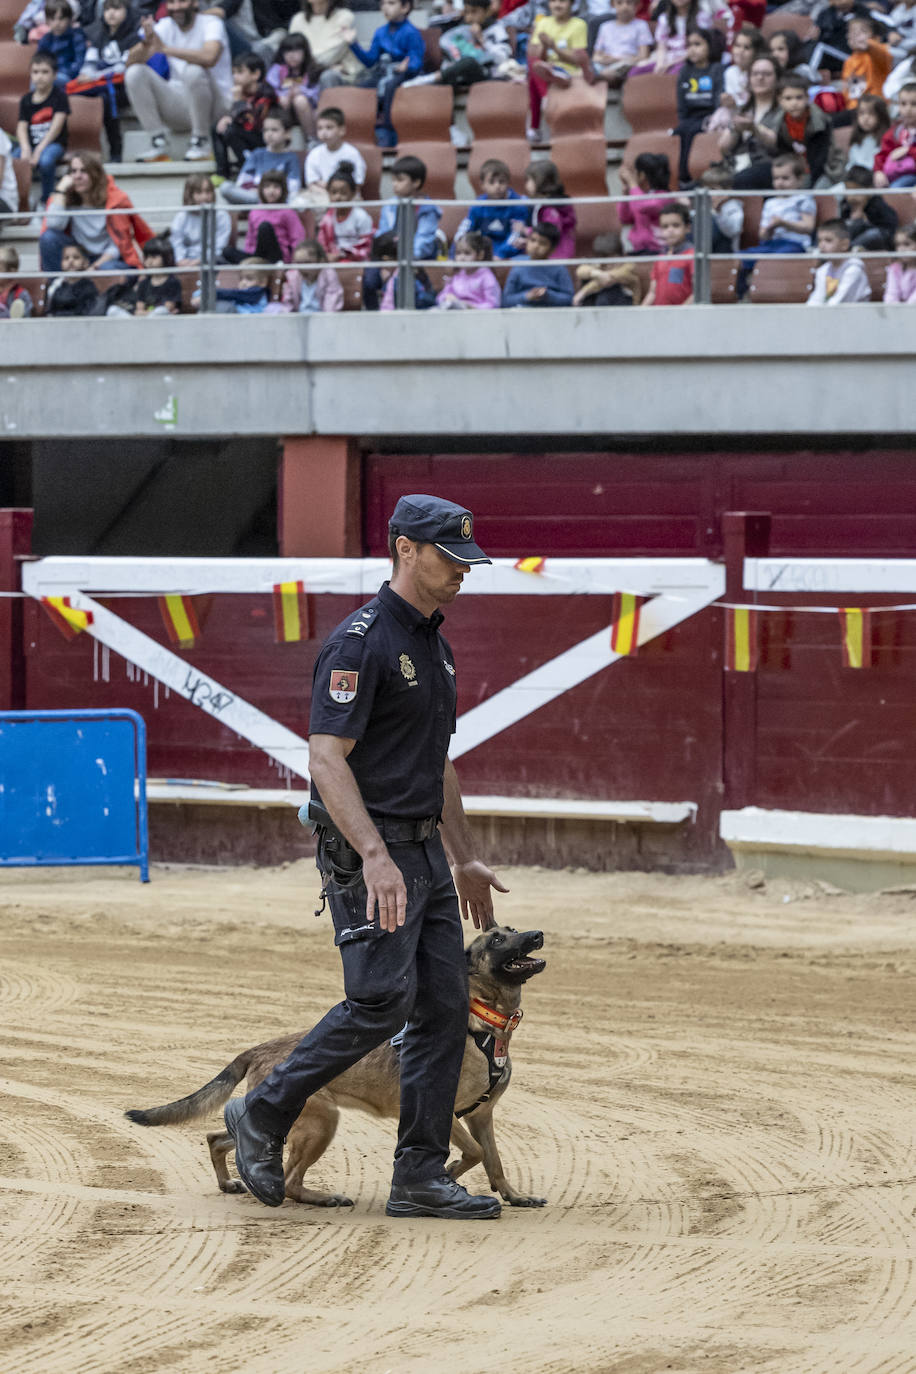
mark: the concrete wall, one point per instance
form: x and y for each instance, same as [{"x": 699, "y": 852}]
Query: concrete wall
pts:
[{"x": 699, "y": 370}]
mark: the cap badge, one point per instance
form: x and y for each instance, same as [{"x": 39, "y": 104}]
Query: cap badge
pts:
[
  {"x": 342, "y": 686},
  {"x": 407, "y": 668},
  {"x": 466, "y": 527}
]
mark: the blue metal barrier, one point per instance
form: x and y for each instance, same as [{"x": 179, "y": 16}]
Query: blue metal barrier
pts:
[{"x": 73, "y": 789}]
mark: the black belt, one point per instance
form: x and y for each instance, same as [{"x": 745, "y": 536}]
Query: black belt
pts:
[{"x": 395, "y": 831}]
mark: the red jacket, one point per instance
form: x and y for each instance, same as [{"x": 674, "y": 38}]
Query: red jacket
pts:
[
  {"x": 127, "y": 232},
  {"x": 897, "y": 136}
]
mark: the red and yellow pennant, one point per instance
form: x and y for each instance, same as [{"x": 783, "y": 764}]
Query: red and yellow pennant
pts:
[
  {"x": 68, "y": 620},
  {"x": 180, "y": 620},
  {"x": 291, "y": 612},
  {"x": 855, "y": 627},
  {"x": 741, "y": 642},
  {"x": 625, "y": 622},
  {"x": 530, "y": 565}
]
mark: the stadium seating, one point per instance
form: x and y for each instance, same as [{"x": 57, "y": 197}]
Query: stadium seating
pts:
[
  {"x": 85, "y": 124},
  {"x": 433, "y": 58},
  {"x": 15, "y": 59},
  {"x": 358, "y": 106},
  {"x": 373, "y": 158},
  {"x": 10, "y": 11},
  {"x": 723, "y": 277},
  {"x": 422, "y": 114},
  {"x": 497, "y": 110},
  {"x": 515, "y": 153},
  {"x": 592, "y": 220},
  {"x": 654, "y": 143},
  {"x": 797, "y": 23},
  {"x": 577, "y": 110},
  {"x": 23, "y": 170},
  {"x": 876, "y": 271},
  {"x": 779, "y": 280},
  {"x": 582, "y": 164},
  {"x": 441, "y": 165},
  {"x": 704, "y": 151},
  {"x": 650, "y": 102}
]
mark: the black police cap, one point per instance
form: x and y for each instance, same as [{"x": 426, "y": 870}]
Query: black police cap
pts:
[{"x": 430, "y": 520}]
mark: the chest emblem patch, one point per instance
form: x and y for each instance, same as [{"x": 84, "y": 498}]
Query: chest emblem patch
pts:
[
  {"x": 407, "y": 668},
  {"x": 342, "y": 686}
]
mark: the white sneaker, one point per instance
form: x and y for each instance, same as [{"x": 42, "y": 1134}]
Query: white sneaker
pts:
[
  {"x": 426, "y": 80},
  {"x": 198, "y": 150},
  {"x": 534, "y": 135},
  {"x": 158, "y": 150},
  {"x": 17, "y": 310},
  {"x": 459, "y": 139}
]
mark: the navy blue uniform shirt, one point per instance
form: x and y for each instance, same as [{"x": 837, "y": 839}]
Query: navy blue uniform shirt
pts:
[{"x": 386, "y": 678}]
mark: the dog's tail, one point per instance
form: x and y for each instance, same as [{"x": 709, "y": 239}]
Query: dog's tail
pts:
[{"x": 206, "y": 1100}]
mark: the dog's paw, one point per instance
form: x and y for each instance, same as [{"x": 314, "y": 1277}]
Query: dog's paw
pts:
[
  {"x": 337, "y": 1200},
  {"x": 521, "y": 1201},
  {"x": 234, "y": 1185}
]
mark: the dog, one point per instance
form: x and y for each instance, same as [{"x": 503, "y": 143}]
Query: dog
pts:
[{"x": 499, "y": 963}]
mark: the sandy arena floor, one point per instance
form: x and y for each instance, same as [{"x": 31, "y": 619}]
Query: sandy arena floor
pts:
[{"x": 714, "y": 1086}]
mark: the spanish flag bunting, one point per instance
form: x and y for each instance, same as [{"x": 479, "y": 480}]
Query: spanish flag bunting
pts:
[
  {"x": 625, "y": 622},
  {"x": 180, "y": 620},
  {"x": 741, "y": 639},
  {"x": 855, "y": 623},
  {"x": 69, "y": 621},
  {"x": 291, "y": 612},
  {"x": 531, "y": 565}
]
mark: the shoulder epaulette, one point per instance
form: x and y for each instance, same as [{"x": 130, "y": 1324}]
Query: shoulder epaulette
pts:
[{"x": 363, "y": 622}]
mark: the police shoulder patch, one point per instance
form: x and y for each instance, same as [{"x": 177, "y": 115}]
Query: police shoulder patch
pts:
[
  {"x": 362, "y": 622},
  {"x": 343, "y": 685}
]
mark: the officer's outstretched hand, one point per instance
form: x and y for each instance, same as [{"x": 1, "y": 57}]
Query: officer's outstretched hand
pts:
[
  {"x": 385, "y": 888},
  {"x": 473, "y": 881}
]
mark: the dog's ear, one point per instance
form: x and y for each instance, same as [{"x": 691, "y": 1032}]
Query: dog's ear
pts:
[{"x": 467, "y": 953}]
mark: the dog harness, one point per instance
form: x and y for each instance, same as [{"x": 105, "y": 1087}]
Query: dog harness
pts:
[{"x": 495, "y": 1051}]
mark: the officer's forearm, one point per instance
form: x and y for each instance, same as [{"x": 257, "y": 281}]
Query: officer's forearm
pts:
[
  {"x": 341, "y": 796},
  {"x": 456, "y": 831}
]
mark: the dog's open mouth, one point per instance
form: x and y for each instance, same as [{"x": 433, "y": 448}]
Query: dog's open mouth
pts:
[{"x": 521, "y": 966}]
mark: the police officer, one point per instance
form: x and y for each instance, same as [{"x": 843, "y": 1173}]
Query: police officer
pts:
[{"x": 383, "y": 709}]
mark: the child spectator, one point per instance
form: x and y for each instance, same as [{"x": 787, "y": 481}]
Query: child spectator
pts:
[
  {"x": 672, "y": 282},
  {"x": 294, "y": 83},
  {"x": 804, "y": 131},
  {"x": 326, "y": 26},
  {"x": 541, "y": 283},
  {"x": 32, "y": 24},
  {"x": 473, "y": 286},
  {"x": 648, "y": 191},
  {"x": 543, "y": 185},
  {"x": 900, "y": 285},
  {"x": 274, "y": 156},
  {"x": 607, "y": 283},
  {"x": 557, "y": 52},
  {"x": 345, "y": 234},
  {"x": 869, "y": 63},
  {"x": 870, "y": 123},
  {"x": 313, "y": 288},
  {"x": 700, "y": 86},
  {"x": 833, "y": 48},
  {"x": 787, "y": 219},
  {"x": 9, "y": 188},
  {"x": 496, "y": 221},
  {"x": 727, "y": 211},
  {"x": 895, "y": 164},
  {"x": 42, "y": 126},
  {"x": 396, "y": 53},
  {"x": 109, "y": 40},
  {"x": 331, "y": 151},
  {"x": 788, "y": 50},
  {"x": 385, "y": 249},
  {"x": 902, "y": 33},
  {"x": 238, "y": 132},
  {"x": 64, "y": 41},
  {"x": 274, "y": 228},
  {"x": 749, "y": 44},
  {"x": 15, "y": 301},
  {"x": 251, "y": 296},
  {"x": 839, "y": 280},
  {"x": 73, "y": 293},
  {"x": 674, "y": 20},
  {"x": 408, "y": 177},
  {"x": 186, "y": 226},
  {"x": 622, "y": 43},
  {"x": 155, "y": 291},
  {"x": 870, "y": 222},
  {"x": 474, "y": 50}
]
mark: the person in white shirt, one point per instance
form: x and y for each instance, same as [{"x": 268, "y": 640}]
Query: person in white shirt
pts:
[
  {"x": 331, "y": 150},
  {"x": 199, "y": 88},
  {"x": 839, "y": 280}
]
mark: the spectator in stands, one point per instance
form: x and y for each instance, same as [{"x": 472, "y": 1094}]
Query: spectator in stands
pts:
[
  {"x": 155, "y": 292},
  {"x": 408, "y": 177},
  {"x": 672, "y": 282},
  {"x": 185, "y": 232},
  {"x": 902, "y": 33},
  {"x": 648, "y": 191},
  {"x": 552, "y": 206},
  {"x": 198, "y": 90},
  {"x": 251, "y": 296},
  {"x": 789, "y": 51},
  {"x": 385, "y": 250},
  {"x": 274, "y": 156},
  {"x": 241, "y": 130},
  {"x": 110, "y": 240},
  {"x": 833, "y": 47},
  {"x": 788, "y": 217},
  {"x": 15, "y": 301},
  {"x": 840, "y": 280},
  {"x": 700, "y": 86},
  {"x": 274, "y": 228},
  {"x": 9, "y": 189},
  {"x": 902, "y": 73},
  {"x": 870, "y": 123},
  {"x": 73, "y": 293},
  {"x": 487, "y": 216},
  {"x": 295, "y": 83},
  {"x": 312, "y": 288},
  {"x": 674, "y": 19},
  {"x": 607, "y": 283},
  {"x": 345, "y": 231},
  {"x": 396, "y": 53},
  {"x": 539, "y": 283},
  {"x": 751, "y": 142},
  {"x": 727, "y": 211},
  {"x": 109, "y": 39},
  {"x": 473, "y": 286},
  {"x": 32, "y": 24},
  {"x": 869, "y": 63},
  {"x": 557, "y": 53},
  {"x": 748, "y": 44},
  {"x": 895, "y": 164},
  {"x": 473, "y": 51},
  {"x": 870, "y": 222},
  {"x": 331, "y": 150},
  {"x": 621, "y": 43},
  {"x": 42, "y": 128},
  {"x": 326, "y": 25},
  {"x": 900, "y": 285},
  {"x": 804, "y": 129},
  {"x": 64, "y": 41}
]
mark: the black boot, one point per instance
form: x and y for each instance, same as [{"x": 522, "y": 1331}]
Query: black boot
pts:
[
  {"x": 258, "y": 1154},
  {"x": 440, "y": 1197}
]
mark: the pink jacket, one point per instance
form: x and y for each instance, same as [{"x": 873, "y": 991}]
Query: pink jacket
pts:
[
  {"x": 642, "y": 212},
  {"x": 286, "y": 223},
  {"x": 354, "y": 241},
  {"x": 563, "y": 216},
  {"x": 475, "y": 288},
  {"x": 330, "y": 292},
  {"x": 900, "y": 287}
]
